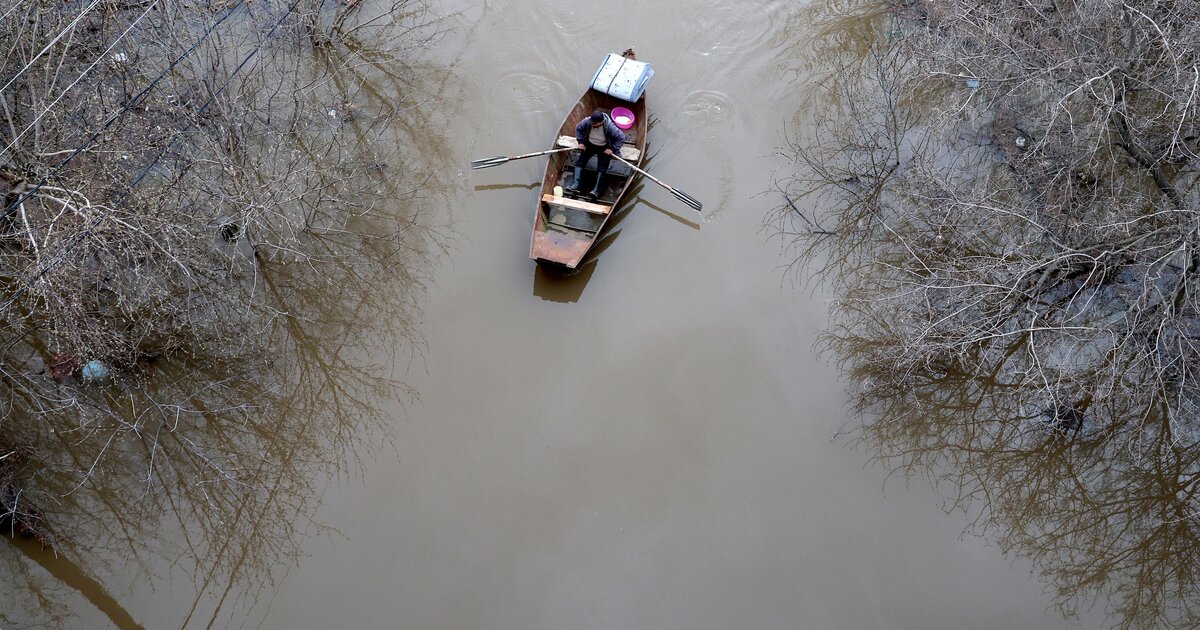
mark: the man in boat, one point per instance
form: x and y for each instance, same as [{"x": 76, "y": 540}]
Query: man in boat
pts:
[{"x": 597, "y": 135}]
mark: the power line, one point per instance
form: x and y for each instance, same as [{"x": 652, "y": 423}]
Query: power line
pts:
[
  {"x": 88, "y": 230},
  {"x": 99, "y": 58},
  {"x": 114, "y": 116},
  {"x": 15, "y": 6},
  {"x": 54, "y": 41}
]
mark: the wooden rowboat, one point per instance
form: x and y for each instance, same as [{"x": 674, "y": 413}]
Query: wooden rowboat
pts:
[{"x": 565, "y": 227}]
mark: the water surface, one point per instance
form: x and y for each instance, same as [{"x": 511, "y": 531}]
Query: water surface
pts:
[{"x": 652, "y": 444}]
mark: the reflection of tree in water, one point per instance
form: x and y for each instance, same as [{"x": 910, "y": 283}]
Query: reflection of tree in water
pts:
[
  {"x": 215, "y": 459},
  {"x": 249, "y": 310},
  {"x": 1106, "y": 509},
  {"x": 1014, "y": 245}
]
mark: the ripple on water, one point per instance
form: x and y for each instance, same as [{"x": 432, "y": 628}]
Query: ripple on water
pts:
[
  {"x": 535, "y": 91},
  {"x": 705, "y": 121},
  {"x": 705, "y": 109},
  {"x": 734, "y": 26}
]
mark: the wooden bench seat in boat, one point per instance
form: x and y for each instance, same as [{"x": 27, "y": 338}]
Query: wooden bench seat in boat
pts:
[
  {"x": 628, "y": 152},
  {"x": 594, "y": 208}
]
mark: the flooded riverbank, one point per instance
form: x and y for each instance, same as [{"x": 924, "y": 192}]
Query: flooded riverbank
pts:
[{"x": 651, "y": 444}]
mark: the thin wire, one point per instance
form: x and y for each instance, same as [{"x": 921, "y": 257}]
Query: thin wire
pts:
[
  {"x": 114, "y": 116},
  {"x": 99, "y": 58},
  {"x": 87, "y": 231},
  {"x": 60, "y": 35},
  {"x": 9, "y": 12}
]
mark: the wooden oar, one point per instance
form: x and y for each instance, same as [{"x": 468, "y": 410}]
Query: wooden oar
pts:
[
  {"x": 691, "y": 201},
  {"x": 497, "y": 161}
]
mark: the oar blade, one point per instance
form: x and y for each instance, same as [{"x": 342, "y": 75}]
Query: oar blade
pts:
[
  {"x": 486, "y": 162},
  {"x": 688, "y": 199},
  {"x": 501, "y": 159}
]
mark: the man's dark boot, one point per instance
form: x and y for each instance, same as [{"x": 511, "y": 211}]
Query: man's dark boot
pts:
[
  {"x": 596, "y": 189},
  {"x": 574, "y": 187}
]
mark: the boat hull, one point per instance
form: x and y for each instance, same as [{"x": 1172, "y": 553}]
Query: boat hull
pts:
[{"x": 566, "y": 227}]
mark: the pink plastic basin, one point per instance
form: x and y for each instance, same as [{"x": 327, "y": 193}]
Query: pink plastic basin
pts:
[{"x": 622, "y": 117}]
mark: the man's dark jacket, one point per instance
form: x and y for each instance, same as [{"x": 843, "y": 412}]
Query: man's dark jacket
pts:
[{"x": 612, "y": 133}]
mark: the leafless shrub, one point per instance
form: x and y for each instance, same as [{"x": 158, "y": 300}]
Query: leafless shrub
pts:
[
  {"x": 211, "y": 203},
  {"x": 1005, "y": 202}
]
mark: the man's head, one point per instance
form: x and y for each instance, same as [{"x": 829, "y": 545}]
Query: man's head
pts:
[{"x": 597, "y": 118}]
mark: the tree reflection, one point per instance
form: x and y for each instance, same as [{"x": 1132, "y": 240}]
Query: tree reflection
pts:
[
  {"x": 266, "y": 368},
  {"x": 1105, "y": 508},
  {"x": 1016, "y": 271},
  {"x": 213, "y": 458}
]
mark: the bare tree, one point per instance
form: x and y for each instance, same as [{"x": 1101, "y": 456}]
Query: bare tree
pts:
[
  {"x": 1005, "y": 201},
  {"x": 211, "y": 223},
  {"x": 158, "y": 150}
]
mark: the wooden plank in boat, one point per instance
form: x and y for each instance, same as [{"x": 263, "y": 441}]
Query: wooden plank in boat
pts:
[
  {"x": 594, "y": 208},
  {"x": 628, "y": 152}
]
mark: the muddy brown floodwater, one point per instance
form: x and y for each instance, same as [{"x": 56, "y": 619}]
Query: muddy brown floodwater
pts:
[{"x": 653, "y": 443}]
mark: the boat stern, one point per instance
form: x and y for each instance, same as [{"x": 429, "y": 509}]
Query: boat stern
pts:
[{"x": 558, "y": 249}]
